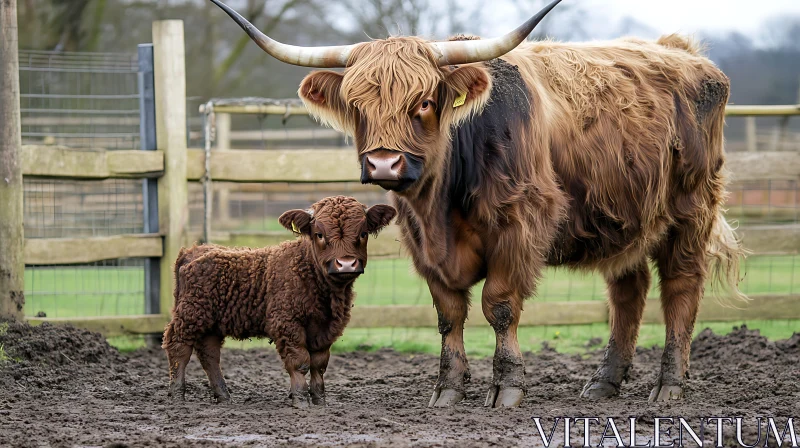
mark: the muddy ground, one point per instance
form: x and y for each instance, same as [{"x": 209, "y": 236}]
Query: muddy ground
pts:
[{"x": 67, "y": 387}]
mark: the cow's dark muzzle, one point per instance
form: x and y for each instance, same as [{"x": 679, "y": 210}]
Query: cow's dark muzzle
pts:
[{"x": 390, "y": 169}]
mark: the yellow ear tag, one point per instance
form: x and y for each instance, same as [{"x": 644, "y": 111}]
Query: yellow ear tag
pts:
[
  {"x": 295, "y": 229},
  {"x": 460, "y": 100}
]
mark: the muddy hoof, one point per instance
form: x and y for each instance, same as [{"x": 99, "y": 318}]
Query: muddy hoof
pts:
[
  {"x": 318, "y": 400},
  {"x": 301, "y": 401},
  {"x": 223, "y": 397},
  {"x": 599, "y": 389},
  {"x": 509, "y": 397},
  {"x": 445, "y": 398},
  {"x": 666, "y": 393},
  {"x": 176, "y": 394}
]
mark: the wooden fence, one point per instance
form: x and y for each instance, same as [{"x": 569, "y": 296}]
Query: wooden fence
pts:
[{"x": 174, "y": 165}]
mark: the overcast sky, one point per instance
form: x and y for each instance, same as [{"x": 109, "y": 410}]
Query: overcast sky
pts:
[
  {"x": 689, "y": 16},
  {"x": 659, "y": 16}
]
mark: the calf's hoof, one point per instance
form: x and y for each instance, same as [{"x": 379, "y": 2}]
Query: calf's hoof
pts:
[
  {"x": 301, "y": 401},
  {"x": 445, "y": 398},
  {"x": 665, "y": 393},
  {"x": 223, "y": 397},
  {"x": 599, "y": 389},
  {"x": 318, "y": 400},
  {"x": 508, "y": 397},
  {"x": 176, "y": 394}
]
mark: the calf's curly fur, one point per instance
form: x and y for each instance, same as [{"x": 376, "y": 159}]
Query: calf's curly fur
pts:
[{"x": 293, "y": 294}]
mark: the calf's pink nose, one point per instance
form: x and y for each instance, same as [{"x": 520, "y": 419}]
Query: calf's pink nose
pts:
[
  {"x": 346, "y": 264},
  {"x": 384, "y": 169}
]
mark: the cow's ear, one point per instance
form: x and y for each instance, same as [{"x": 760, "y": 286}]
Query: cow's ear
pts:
[
  {"x": 320, "y": 93},
  {"x": 466, "y": 92},
  {"x": 378, "y": 217},
  {"x": 298, "y": 221}
]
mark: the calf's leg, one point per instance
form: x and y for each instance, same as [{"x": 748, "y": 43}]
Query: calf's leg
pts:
[
  {"x": 297, "y": 362},
  {"x": 319, "y": 363},
  {"x": 451, "y": 307},
  {"x": 178, "y": 355},
  {"x": 502, "y": 306},
  {"x": 208, "y": 352},
  {"x": 627, "y": 295}
]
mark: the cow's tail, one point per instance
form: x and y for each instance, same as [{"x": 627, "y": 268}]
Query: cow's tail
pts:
[{"x": 725, "y": 251}]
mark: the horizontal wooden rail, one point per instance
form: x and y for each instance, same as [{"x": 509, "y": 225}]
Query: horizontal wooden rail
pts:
[
  {"x": 760, "y": 307},
  {"x": 773, "y": 165},
  {"x": 535, "y": 313},
  {"x": 280, "y": 135},
  {"x": 298, "y": 165},
  {"x": 54, "y": 251},
  {"x": 260, "y": 109},
  {"x": 422, "y": 316},
  {"x": 731, "y": 109},
  {"x": 111, "y": 325},
  {"x": 385, "y": 245},
  {"x": 77, "y": 163},
  {"x": 341, "y": 165},
  {"x": 783, "y": 239},
  {"x": 741, "y": 110}
]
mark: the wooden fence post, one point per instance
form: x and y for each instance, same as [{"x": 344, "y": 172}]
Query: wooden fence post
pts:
[
  {"x": 223, "y": 123},
  {"x": 750, "y": 131},
  {"x": 173, "y": 206},
  {"x": 12, "y": 242}
]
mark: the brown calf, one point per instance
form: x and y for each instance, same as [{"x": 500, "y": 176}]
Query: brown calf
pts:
[{"x": 298, "y": 294}]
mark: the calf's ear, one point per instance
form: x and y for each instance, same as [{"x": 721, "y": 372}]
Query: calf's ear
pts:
[
  {"x": 378, "y": 217},
  {"x": 320, "y": 93},
  {"x": 298, "y": 221}
]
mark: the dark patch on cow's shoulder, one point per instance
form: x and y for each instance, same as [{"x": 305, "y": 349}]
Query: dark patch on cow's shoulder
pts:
[
  {"x": 488, "y": 142},
  {"x": 712, "y": 94}
]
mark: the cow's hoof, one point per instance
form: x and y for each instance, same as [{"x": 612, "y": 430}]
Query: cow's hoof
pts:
[
  {"x": 445, "y": 398},
  {"x": 599, "y": 389},
  {"x": 666, "y": 393},
  {"x": 509, "y": 397},
  {"x": 317, "y": 400}
]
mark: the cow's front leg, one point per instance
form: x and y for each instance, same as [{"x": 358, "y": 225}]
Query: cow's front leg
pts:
[
  {"x": 502, "y": 306},
  {"x": 451, "y": 307}
]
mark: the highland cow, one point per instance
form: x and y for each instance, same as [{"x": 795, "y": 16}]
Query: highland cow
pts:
[
  {"x": 297, "y": 294},
  {"x": 504, "y": 157}
]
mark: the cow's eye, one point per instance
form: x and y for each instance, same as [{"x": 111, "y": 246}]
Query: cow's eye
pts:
[
  {"x": 427, "y": 104},
  {"x": 363, "y": 234},
  {"x": 320, "y": 236}
]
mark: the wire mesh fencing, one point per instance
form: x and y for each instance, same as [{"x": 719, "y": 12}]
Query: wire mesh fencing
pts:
[
  {"x": 79, "y": 99},
  {"x": 82, "y": 100}
]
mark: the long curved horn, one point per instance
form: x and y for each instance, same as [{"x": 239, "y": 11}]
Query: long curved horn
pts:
[
  {"x": 466, "y": 51},
  {"x": 320, "y": 57}
]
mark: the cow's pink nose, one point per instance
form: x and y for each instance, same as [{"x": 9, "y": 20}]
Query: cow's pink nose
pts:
[
  {"x": 346, "y": 264},
  {"x": 384, "y": 169}
]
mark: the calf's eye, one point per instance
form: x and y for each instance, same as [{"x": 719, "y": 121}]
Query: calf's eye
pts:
[
  {"x": 320, "y": 237},
  {"x": 363, "y": 234}
]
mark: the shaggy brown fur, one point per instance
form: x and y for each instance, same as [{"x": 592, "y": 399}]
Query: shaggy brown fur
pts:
[
  {"x": 290, "y": 293},
  {"x": 596, "y": 156}
]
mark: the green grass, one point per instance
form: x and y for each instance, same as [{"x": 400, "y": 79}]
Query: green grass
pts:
[
  {"x": 98, "y": 291},
  {"x": 3, "y": 355},
  {"x": 480, "y": 341}
]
